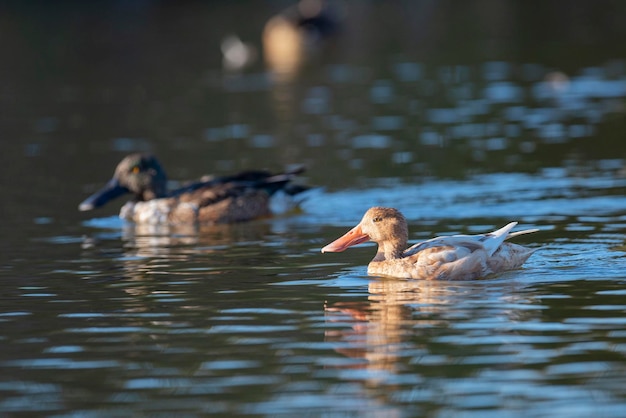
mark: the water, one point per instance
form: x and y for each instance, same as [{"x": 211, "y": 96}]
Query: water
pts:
[{"x": 479, "y": 115}]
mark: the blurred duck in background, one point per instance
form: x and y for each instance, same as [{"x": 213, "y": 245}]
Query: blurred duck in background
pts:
[
  {"x": 298, "y": 31},
  {"x": 215, "y": 200}
]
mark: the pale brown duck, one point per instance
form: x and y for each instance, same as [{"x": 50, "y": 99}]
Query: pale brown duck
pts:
[{"x": 455, "y": 257}]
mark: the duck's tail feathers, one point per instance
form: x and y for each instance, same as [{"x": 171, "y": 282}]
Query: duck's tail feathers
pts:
[
  {"x": 282, "y": 182},
  {"x": 502, "y": 234},
  {"x": 496, "y": 238},
  {"x": 524, "y": 232}
]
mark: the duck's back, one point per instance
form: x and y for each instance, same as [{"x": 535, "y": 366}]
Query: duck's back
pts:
[
  {"x": 457, "y": 257},
  {"x": 436, "y": 262}
]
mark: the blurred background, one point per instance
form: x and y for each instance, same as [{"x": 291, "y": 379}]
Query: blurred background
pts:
[
  {"x": 463, "y": 114},
  {"x": 397, "y": 89}
]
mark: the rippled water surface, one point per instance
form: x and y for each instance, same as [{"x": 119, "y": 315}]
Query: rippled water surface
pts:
[{"x": 463, "y": 117}]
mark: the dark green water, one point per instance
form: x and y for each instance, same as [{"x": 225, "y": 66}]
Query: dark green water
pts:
[{"x": 464, "y": 116}]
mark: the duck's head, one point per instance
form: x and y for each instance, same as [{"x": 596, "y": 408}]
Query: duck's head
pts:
[
  {"x": 385, "y": 226},
  {"x": 138, "y": 174}
]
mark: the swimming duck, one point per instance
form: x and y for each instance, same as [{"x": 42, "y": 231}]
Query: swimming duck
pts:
[
  {"x": 298, "y": 32},
  {"x": 455, "y": 257},
  {"x": 229, "y": 199}
]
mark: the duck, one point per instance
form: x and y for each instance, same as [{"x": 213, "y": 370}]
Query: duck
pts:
[
  {"x": 454, "y": 257},
  {"x": 298, "y": 32},
  {"x": 211, "y": 200}
]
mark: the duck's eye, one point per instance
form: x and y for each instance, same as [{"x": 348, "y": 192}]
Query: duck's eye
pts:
[
  {"x": 135, "y": 169},
  {"x": 377, "y": 219}
]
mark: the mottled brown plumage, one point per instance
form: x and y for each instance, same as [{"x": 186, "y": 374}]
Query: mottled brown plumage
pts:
[
  {"x": 229, "y": 199},
  {"x": 456, "y": 257}
]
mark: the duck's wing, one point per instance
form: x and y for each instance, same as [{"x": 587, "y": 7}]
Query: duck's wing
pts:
[
  {"x": 524, "y": 232},
  {"x": 488, "y": 242},
  {"x": 250, "y": 179},
  {"x": 464, "y": 257},
  {"x": 219, "y": 204},
  {"x": 214, "y": 193},
  {"x": 445, "y": 244},
  {"x": 447, "y": 258}
]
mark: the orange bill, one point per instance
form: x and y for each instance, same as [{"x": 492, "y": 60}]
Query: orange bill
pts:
[{"x": 352, "y": 237}]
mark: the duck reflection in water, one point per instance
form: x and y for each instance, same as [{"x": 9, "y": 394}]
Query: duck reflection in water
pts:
[
  {"x": 183, "y": 240},
  {"x": 379, "y": 328},
  {"x": 399, "y": 318},
  {"x": 214, "y": 200},
  {"x": 154, "y": 255}
]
